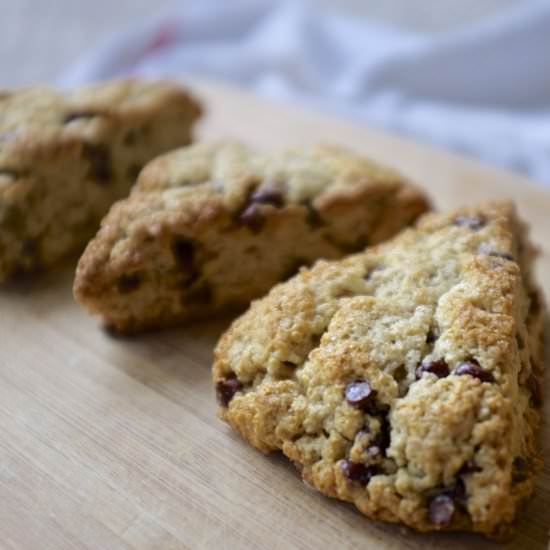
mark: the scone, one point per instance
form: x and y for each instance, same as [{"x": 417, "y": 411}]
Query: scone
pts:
[
  {"x": 210, "y": 227},
  {"x": 65, "y": 158},
  {"x": 405, "y": 379}
]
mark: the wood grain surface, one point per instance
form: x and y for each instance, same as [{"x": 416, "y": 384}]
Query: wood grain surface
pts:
[{"x": 115, "y": 444}]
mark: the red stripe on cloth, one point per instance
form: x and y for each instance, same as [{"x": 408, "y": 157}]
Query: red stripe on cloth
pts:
[{"x": 165, "y": 36}]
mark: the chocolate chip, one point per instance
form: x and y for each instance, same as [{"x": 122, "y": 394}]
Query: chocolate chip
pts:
[
  {"x": 252, "y": 217},
  {"x": 438, "y": 367},
  {"x": 520, "y": 470},
  {"x": 469, "y": 467},
  {"x": 356, "y": 471},
  {"x": 432, "y": 336},
  {"x": 99, "y": 157},
  {"x": 536, "y": 390},
  {"x": 359, "y": 393},
  {"x": 290, "y": 364},
  {"x": 458, "y": 491},
  {"x": 226, "y": 390},
  {"x": 268, "y": 195},
  {"x": 128, "y": 283},
  {"x": 473, "y": 222},
  {"x": 183, "y": 251},
  {"x": 472, "y": 368},
  {"x": 400, "y": 373},
  {"x": 381, "y": 441},
  {"x": 441, "y": 510},
  {"x": 80, "y": 115},
  {"x": 377, "y": 408}
]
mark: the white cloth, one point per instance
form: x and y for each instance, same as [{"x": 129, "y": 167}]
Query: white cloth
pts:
[{"x": 483, "y": 89}]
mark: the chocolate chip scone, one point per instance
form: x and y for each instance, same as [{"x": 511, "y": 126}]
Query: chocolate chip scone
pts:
[
  {"x": 405, "y": 379},
  {"x": 65, "y": 158},
  {"x": 212, "y": 226}
]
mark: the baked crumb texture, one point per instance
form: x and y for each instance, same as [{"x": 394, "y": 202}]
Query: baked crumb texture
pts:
[
  {"x": 212, "y": 226},
  {"x": 405, "y": 379},
  {"x": 65, "y": 158}
]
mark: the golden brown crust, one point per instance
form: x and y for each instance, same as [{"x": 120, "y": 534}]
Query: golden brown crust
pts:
[
  {"x": 404, "y": 379},
  {"x": 212, "y": 226},
  {"x": 65, "y": 158}
]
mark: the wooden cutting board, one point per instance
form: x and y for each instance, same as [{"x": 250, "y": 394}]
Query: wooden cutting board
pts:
[{"x": 111, "y": 444}]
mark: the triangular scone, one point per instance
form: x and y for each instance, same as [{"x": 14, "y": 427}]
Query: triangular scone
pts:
[
  {"x": 212, "y": 226},
  {"x": 66, "y": 157},
  {"x": 405, "y": 379}
]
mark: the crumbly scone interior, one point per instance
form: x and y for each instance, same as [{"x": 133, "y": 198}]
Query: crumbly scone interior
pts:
[
  {"x": 404, "y": 379},
  {"x": 215, "y": 225},
  {"x": 64, "y": 159}
]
